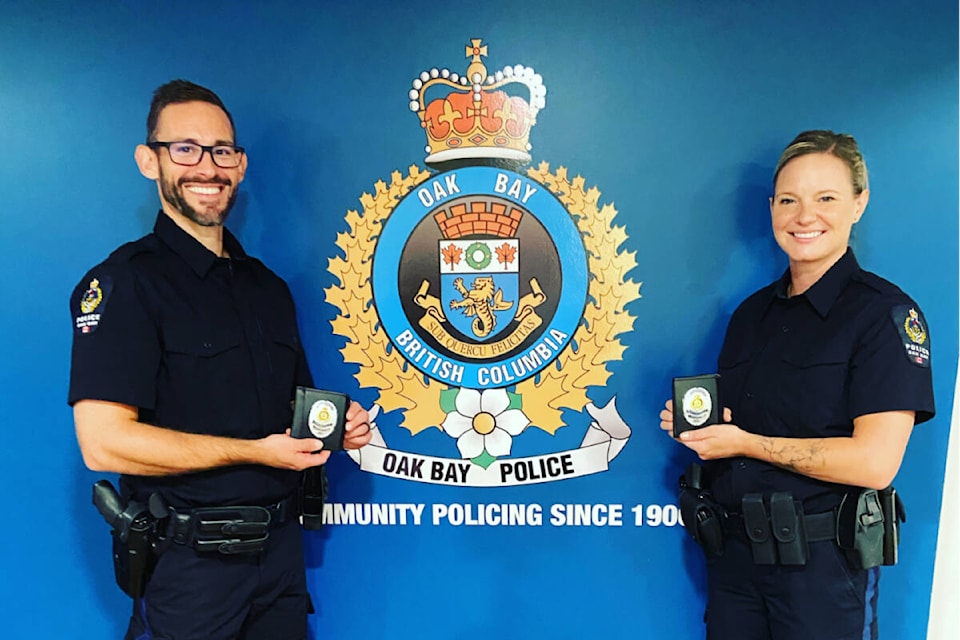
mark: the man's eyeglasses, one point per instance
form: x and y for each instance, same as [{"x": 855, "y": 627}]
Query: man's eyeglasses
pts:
[{"x": 188, "y": 154}]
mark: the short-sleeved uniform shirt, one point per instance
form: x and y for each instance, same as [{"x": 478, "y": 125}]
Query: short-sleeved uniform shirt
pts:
[
  {"x": 197, "y": 343},
  {"x": 805, "y": 366}
]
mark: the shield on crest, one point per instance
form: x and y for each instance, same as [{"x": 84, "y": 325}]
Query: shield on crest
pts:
[{"x": 479, "y": 284}]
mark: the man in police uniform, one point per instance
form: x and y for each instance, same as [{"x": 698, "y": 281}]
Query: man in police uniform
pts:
[{"x": 186, "y": 356}]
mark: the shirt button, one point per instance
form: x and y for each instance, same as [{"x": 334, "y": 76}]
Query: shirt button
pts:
[
  {"x": 207, "y": 345},
  {"x": 742, "y": 465},
  {"x": 749, "y": 395},
  {"x": 785, "y": 329}
]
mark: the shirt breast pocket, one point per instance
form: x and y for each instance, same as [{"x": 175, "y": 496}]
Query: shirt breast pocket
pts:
[
  {"x": 283, "y": 347},
  {"x": 196, "y": 354},
  {"x": 733, "y": 367},
  {"x": 815, "y": 391}
]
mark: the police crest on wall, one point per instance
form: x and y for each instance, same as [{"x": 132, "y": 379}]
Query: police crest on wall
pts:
[{"x": 480, "y": 301}]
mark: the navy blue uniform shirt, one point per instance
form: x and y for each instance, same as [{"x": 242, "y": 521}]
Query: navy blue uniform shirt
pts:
[
  {"x": 806, "y": 366},
  {"x": 197, "y": 343}
]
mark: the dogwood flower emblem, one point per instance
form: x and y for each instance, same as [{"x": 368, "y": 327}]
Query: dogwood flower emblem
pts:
[{"x": 483, "y": 422}]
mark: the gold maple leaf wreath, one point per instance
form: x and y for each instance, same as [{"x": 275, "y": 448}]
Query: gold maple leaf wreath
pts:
[{"x": 564, "y": 384}]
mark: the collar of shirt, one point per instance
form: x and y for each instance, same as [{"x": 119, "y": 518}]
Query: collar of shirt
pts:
[
  {"x": 200, "y": 259},
  {"x": 826, "y": 290}
]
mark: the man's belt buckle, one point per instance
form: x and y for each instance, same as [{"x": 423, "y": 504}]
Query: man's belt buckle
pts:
[{"x": 230, "y": 530}]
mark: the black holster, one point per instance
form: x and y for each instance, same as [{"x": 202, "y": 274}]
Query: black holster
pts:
[
  {"x": 868, "y": 526},
  {"x": 134, "y": 557},
  {"x": 313, "y": 495},
  {"x": 700, "y": 513},
  {"x": 134, "y": 534}
]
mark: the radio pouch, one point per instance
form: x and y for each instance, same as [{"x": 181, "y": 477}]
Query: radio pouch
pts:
[
  {"x": 756, "y": 524},
  {"x": 786, "y": 521},
  {"x": 313, "y": 494},
  {"x": 860, "y": 527}
]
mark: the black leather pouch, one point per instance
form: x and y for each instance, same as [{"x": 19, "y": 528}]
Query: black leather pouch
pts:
[{"x": 786, "y": 523}]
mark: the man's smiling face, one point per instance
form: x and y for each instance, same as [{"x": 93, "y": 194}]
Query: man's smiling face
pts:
[{"x": 203, "y": 193}]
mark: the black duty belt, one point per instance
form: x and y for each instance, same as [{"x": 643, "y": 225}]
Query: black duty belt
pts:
[
  {"x": 818, "y": 526},
  {"x": 229, "y": 530}
]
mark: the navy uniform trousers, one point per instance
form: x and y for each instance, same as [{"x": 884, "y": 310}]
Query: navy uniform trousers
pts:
[
  {"x": 211, "y": 596},
  {"x": 748, "y": 601}
]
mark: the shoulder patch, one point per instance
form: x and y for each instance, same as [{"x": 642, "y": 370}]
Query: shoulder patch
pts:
[
  {"x": 91, "y": 304},
  {"x": 913, "y": 331}
]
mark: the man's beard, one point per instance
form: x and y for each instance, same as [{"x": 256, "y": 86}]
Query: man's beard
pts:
[{"x": 173, "y": 193}]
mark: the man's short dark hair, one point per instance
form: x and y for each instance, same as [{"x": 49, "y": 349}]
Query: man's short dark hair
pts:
[{"x": 179, "y": 91}]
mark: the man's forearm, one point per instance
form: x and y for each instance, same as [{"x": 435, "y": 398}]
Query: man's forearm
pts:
[{"x": 112, "y": 439}]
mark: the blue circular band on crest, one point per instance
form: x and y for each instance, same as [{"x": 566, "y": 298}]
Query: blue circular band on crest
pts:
[{"x": 560, "y": 226}]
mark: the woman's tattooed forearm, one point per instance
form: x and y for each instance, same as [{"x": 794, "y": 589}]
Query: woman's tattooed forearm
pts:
[{"x": 802, "y": 456}]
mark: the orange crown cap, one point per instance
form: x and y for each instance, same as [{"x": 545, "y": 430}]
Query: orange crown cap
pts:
[{"x": 477, "y": 118}]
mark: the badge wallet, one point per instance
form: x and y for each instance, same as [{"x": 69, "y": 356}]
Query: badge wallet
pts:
[
  {"x": 322, "y": 415},
  {"x": 696, "y": 402}
]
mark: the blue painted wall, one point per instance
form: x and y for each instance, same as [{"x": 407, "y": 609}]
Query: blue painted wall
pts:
[{"x": 676, "y": 111}]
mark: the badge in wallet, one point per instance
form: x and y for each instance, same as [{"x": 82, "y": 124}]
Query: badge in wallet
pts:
[
  {"x": 696, "y": 403},
  {"x": 322, "y": 415}
]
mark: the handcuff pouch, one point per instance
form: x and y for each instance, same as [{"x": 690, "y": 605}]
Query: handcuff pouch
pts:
[{"x": 227, "y": 530}]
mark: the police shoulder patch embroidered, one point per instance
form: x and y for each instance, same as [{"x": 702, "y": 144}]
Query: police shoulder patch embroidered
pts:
[
  {"x": 913, "y": 332},
  {"x": 90, "y": 305}
]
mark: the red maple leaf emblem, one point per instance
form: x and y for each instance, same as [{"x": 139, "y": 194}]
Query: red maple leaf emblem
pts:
[
  {"x": 506, "y": 254},
  {"x": 451, "y": 254}
]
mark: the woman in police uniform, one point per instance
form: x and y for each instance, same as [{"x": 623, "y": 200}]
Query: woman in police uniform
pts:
[{"x": 824, "y": 373}]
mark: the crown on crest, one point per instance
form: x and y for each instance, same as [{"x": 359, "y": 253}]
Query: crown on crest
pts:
[{"x": 477, "y": 118}]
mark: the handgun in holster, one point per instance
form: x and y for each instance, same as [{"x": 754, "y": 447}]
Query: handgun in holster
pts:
[
  {"x": 313, "y": 495},
  {"x": 861, "y": 527},
  {"x": 133, "y": 533},
  {"x": 700, "y": 513}
]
